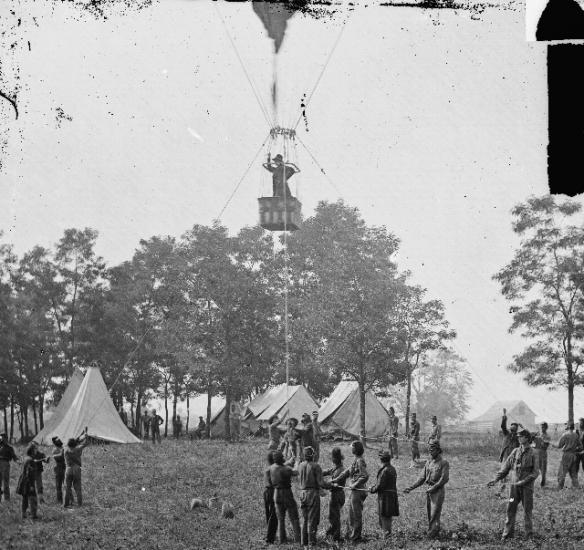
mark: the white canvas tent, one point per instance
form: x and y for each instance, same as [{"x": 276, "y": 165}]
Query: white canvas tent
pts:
[
  {"x": 92, "y": 407},
  {"x": 286, "y": 403},
  {"x": 66, "y": 399},
  {"x": 341, "y": 411}
]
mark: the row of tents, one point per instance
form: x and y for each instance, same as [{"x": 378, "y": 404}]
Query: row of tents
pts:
[{"x": 87, "y": 403}]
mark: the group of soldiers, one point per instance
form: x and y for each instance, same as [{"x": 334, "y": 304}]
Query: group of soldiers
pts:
[
  {"x": 67, "y": 472},
  {"x": 150, "y": 426}
]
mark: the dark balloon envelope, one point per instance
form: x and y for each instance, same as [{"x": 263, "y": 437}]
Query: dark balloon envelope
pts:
[{"x": 274, "y": 16}]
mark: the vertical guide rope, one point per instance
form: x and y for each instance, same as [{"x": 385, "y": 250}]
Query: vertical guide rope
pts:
[{"x": 286, "y": 346}]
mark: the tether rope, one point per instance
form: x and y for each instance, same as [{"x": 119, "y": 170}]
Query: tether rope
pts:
[
  {"x": 243, "y": 177},
  {"x": 332, "y": 183},
  {"x": 262, "y": 107},
  {"x": 321, "y": 73}
]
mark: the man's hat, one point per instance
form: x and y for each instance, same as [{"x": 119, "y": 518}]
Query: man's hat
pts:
[
  {"x": 308, "y": 452},
  {"x": 435, "y": 446},
  {"x": 294, "y": 420},
  {"x": 434, "y": 417},
  {"x": 278, "y": 157},
  {"x": 72, "y": 442},
  {"x": 524, "y": 433},
  {"x": 56, "y": 441},
  {"x": 336, "y": 454},
  {"x": 278, "y": 457},
  {"x": 305, "y": 418},
  {"x": 384, "y": 456}
]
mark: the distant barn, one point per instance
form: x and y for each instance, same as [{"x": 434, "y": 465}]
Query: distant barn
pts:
[{"x": 490, "y": 421}]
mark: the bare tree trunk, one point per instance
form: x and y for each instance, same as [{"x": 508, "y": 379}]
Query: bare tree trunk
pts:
[
  {"x": 24, "y": 411},
  {"x": 174, "y": 403},
  {"x": 227, "y": 416},
  {"x": 166, "y": 407},
  {"x": 11, "y": 437},
  {"x": 209, "y": 397},
  {"x": 41, "y": 411},
  {"x": 570, "y": 395},
  {"x": 408, "y": 397},
  {"x": 363, "y": 433},
  {"x": 34, "y": 415}
]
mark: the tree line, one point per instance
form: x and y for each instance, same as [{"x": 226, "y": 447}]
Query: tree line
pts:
[{"x": 205, "y": 313}]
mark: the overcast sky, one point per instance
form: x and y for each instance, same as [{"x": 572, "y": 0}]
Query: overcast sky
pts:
[{"x": 431, "y": 122}]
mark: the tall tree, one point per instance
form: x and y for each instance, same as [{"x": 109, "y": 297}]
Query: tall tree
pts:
[
  {"x": 346, "y": 270},
  {"x": 544, "y": 284},
  {"x": 419, "y": 326}
]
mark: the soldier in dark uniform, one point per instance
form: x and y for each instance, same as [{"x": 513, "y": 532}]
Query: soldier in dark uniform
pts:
[
  {"x": 541, "y": 442},
  {"x": 523, "y": 465},
  {"x": 337, "y": 499},
  {"x": 26, "y": 486},
  {"x": 310, "y": 484},
  {"x": 269, "y": 505},
  {"x": 357, "y": 473},
  {"x": 274, "y": 433},
  {"x": 6, "y": 456},
  {"x": 39, "y": 457},
  {"x": 281, "y": 173},
  {"x": 280, "y": 476},
  {"x": 436, "y": 474},
  {"x": 510, "y": 443},
  {"x": 59, "y": 458},
  {"x": 415, "y": 436},
  {"x": 386, "y": 489}
]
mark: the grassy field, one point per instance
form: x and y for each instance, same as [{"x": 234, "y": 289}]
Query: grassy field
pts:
[{"x": 137, "y": 496}]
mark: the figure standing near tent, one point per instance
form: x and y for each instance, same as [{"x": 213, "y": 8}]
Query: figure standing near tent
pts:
[
  {"x": 580, "y": 432},
  {"x": 281, "y": 173},
  {"x": 435, "y": 432},
  {"x": 269, "y": 504},
  {"x": 145, "y": 419},
  {"x": 199, "y": 433},
  {"x": 39, "y": 457},
  {"x": 386, "y": 489},
  {"x": 358, "y": 475},
  {"x": 510, "y": 443},
  {"x": 26, "y": 486},
  {"x": 281, "y": 476},
  {"x": 7, "y": 455},
  {"x": 317, "y": 435},
  {"x": 72, "y": 456},
  {"x": 306, "y": 435},
  {"x": 274, "y": 433},
  {"x": 541, "y": 442},
  {"x": 415, "y": 438},
  {"x": 59, "y": 469},
  {"x": 155, "y": 422},
  {"x": 571, "y": 448},
  {"x": 522, "y": 463},
  {"x": 337, "y": 499},
  {"x": 436, "y": 475},
  {"x": 235, "y": 421},
  {"x": 290, "y": 444},
  {"x": 177, "y": 425},
  {"x": 123, "y": 416},
  {"x": 392, "y": 431},
  {"x": 310, "y": 484}
]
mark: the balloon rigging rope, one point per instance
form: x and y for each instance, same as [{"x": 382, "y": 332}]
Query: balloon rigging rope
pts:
[
  {"x": 245, "y": 71},
  {"x": 321, "y": 73},
  {"x": 332, "y": 183},
  {"x": 243, "y": 176}
]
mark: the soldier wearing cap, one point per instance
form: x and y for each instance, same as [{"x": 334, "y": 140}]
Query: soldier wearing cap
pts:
[
  {"x": 274, "y": 432},
  {"x": 435, "y": 432},
  {"x": 58, "y": 455},
  {"x": 317, "y": 435},
  {"x": 541, "y": 442},
  {"x": 26, "y": 486},
  {"x": 386, "y": 489},
  {"x": 571, "y": 448},
  {"x": 358, "y": 475},
  {"x": 524, "y": 468},
  {"x": 310, "y": 483},
  {"x": 510, "y": 443},
  {"x": 337, "y": 499},
  {"x": 436, "y": 474},
  {"x": 291, "y": 443},
  {"x": 415, "y": 438},
  {"x": 580, "y": 432},
  {"x": 6, "y": 456},
  {"x": 280, "y": 477},
  {"x": 392, "y": 431},
  {"x": 306, "y": 434}
]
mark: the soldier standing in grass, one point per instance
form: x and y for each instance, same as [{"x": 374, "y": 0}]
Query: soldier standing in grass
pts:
[
  {"x": 310, "y": 483},
  {"x": 435, "y": 432},
  {"x": 145, "y": 425},
  {"x": 39, "y": 457},
  {"x": 522, "y": 463},
  {"x": 269, "y": 505},
  {"x": 72, "y": 456},
  {"x": 6, "y": 456},
  {"x": 386, "y": 489},
  {"x": 510, "y": 443},
  {"x": 358, "y": 475},
  {"x": 337, "y": 499},
  {"x": 274, "y": 433},
  {"x": 436, "y": 474},
  {"x": 415, "y": 437},
  {"x": 26, "y": 486},
  {"x": 317, "y": 435},
  {"x": 281, "y": 476},
  {"x": 541, "y": 442},
  {"x": 306, "y": 434},
  {"x": 571, "y": 448},
  {"x": 291, "y": 443},
  {"x": 59, "y": 458},
  {"x": 155, "y": 422},
  {"x": 580, "y": 432}
]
